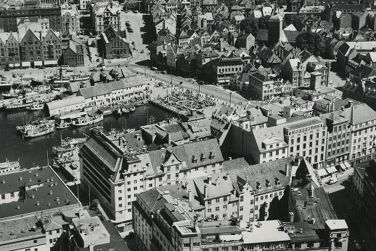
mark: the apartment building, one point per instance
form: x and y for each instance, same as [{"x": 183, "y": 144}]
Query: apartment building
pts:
[
  {"x": 226, "y": 68},
  {"x": 264, "y": 86},
  {"x": 165, "y": 219},
  {"x": 307, "y": 138},
  {"x": 362, "y": 120},
  {"x": 70, "y": 20},
  {"x": 118, "y": 167},
  {"x": 105, "y": 14},
  {"x": 338, "y": 139}
]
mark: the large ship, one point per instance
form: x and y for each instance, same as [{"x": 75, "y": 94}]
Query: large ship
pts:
[{"x": 87, "y": 120}]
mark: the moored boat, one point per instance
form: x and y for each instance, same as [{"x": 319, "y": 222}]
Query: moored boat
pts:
[
  {"x": 87, "y": 120},
  {"x": 38, "y": 131},
  {"x": 35, "y": 106},
  {"x": 63, "y": 124},
  {"x": 17, "y": 105}
]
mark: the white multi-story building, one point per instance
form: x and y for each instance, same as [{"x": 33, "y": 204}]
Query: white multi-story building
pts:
[
  {"x": 307, "y": 138},
  {"x": 105, "y": 14},
  {"x": 116, "y": 168},
  {"x": 100, "y": 95}
]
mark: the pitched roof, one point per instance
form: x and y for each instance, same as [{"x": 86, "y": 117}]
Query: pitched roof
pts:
[{"x": 102, "y": 89}]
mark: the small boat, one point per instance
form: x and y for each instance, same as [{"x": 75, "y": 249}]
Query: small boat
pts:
[
  {"x": 132, "y": 108},
  {"x": 35, "y": 106},
  {"x": 12, "y": 93},
  {"x": 38, "y": 131},
  {"x": 79, "y": 78},
  {"x": 18, "y": 105},
  {"x": 87, "y": 120},
  {"x": 118, "y": 111},
  {"x": 62, "y": 124},
  {"x": 35, "y": 124},
  {"x": 125, "y": 110}
]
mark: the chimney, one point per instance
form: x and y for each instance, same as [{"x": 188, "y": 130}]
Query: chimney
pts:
[
  {"x": 205, "y": 191},
  {"x": 352, "y": 113},
  {"x": 291, "y": 217},
  {"x": 311, "y": 191},
  {"x": 209, "y": 179},
  {"x": 190, "y": 197},
  {"x": 287, "y": 169}
]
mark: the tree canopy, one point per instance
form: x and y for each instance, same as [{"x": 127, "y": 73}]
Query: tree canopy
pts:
[{"x": 311, "y": 42}]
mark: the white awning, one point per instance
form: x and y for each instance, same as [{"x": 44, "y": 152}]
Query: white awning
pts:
[
  {"x": 11, "y": 65},
  {"x": 331, "y": 170},
  {"x": 50, "y": 62},
  {"x": 38, "y": 63},
  {"x": 322, "y": 172},
  {"x": 347, "y": 164},
  {"x": 17, "y": 65},
  {"x": 25, "y": 64},
  {"x": 342, "y": 166}
]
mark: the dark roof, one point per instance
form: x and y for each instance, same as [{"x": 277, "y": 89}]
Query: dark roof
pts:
[
  {"x": 50, "y": 187},
  {"x": 364, "y": 71},
  {"x": 262, "y": 35},
  {"x": 235, "y": 164},
  {"x": 260, "y": 173},
  {"x": 291, "y": 36},
  {"x": 308, "y": 207},
  {"x": 188, "y": 152},
  {"x": 116, "y": 242}
]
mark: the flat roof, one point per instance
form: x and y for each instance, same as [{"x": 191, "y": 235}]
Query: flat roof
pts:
[
  {"x": 264, "y": 232},
  {"x": 19, "y": 228},
  {"x": 303, "y": 123},
  {"x": 44, "y": 191},
  {"x": 336, "y": 224}
]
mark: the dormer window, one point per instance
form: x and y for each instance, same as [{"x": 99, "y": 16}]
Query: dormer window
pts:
[
  {"x": 194, "y": 160},
  {"x": 211, "y": 155},
  {"x": 202, "y": 157},
  {"x": 277, "y": 182},
  {"x": 267, "y": 183},
  {"x": 258, "y": 185}
]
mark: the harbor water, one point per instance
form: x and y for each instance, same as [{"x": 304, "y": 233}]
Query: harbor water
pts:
[{"x": 32, "y": 152}]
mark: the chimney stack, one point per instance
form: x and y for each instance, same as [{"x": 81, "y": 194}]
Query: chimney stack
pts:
[
  {"x": 205, "y": 191},
  {"x": 291, "y": 217},
  {"x": 209, "y": 179},
  {"x": 287, "y": 169},
  {"x": 190, "y": 197}
]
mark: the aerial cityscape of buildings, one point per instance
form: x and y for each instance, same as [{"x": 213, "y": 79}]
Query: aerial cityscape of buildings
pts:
[{"x": 212, "y": 125}]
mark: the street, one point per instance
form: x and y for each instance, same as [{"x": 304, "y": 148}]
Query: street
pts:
[{"x": 343, "y": 199}]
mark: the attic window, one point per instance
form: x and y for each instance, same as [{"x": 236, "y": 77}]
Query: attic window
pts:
[
  {"x": 194, "y": 160},
  {"x": 202, "y": 157},
  {"x": 258, "y": 185},
  {"x": 211, "y": 155},
  {"x": 277, "y": 182},
  {"x": 267, "y": 182}
]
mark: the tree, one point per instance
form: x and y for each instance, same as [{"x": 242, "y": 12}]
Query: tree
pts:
[
  {"x": 263, "y": 22},
  {"x": 311, "y": 42},
  {"x": 249, "y": 25},
  {"x": 295, "y": 20}
]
